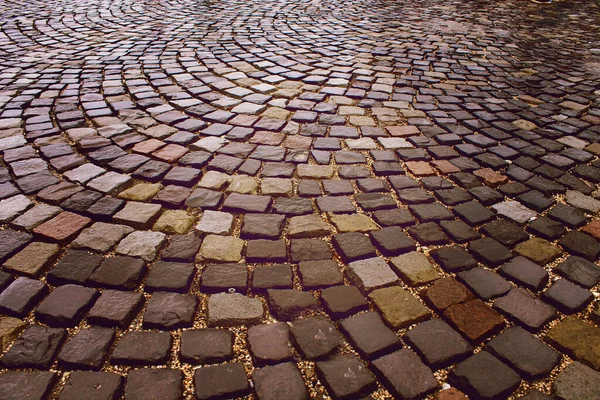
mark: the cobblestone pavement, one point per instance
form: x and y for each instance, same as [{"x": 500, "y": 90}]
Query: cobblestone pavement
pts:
[{"x": 294, "y": 199}]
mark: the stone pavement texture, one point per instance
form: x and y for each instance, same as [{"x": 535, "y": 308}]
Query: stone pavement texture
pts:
[{"x": 299, "y": 199}]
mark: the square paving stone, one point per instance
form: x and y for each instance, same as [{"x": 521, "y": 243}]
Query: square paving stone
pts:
[
  {"x": 486, "y": 196},
  {"x": 66, "y": 305},
  {"x": 33, "y": 259},
  {"x": 270, "y": 343},
  {"x": 486, "y": 283},
  {"x": 571, "y": 217},
  {"x": 75, "y": 267},
  {"x": 430, "y": 212},
  {"x": 19, "y": 298},
  {"x": 371, "y": 273},
  {"x": 182, "y": 248},
  {"x": 206, "y": 346},
  {"x": 222, "y": 277},
  {"x": 428, "y": 234},
  {"x": 307, "y": 226},
  {"x": 414, "y": 268},
  {"x": 392, "y": 241},
  {"x": 320, "y": 274},
  {"x": 577, "y": 381},
  {"x": 105, "y": 208},
  {"x": 142, "y": 348},
  {"x": 342, "y": 301},
  {"x": 221, "y": 381},
  {"x": 506, "y": 232},
  {"x": 87, "y": 349},
  {"x": 567, "y": 297},
  {"x": 398, "y": 307},
  {"x": 546, "y": 228},
  {"x": 310, "y": 250},
  {"x": 144, "y": 244},
  {"x": 483, "y": 376},
  {"x": 26, "y": 385},
  {"x": 538, "y": 250},
  {"x": 438, "y": 343},
  {"x": 266, "y": 251},
  {"x": 277, "y": 276},
  {"x": 147, "y": 383},
  {"x": 287, "y": 304},
  {"x": 115, "y": 308},
  {"x": 167, "y": 310},
  {"x": 473, "y": 213},
  {"x": 525, "y": 272},
  {"x": 352, "y": 246},
  {"x": 531, "y": 357},
  {"x": 35, "y": 348},
  {"x": 369, "y": 335},
  {"x": 262, "y": 226},
  {"x": 375, "y": 201},
  {"x": 459, "y": 232},
  {"x": 581, "y": 244},
  {"x": 527, "y": 310},
  {"x": 91, "y": 385},
  {"x": 293, "y": 206},
  {"x": 118, "y": 272},
  {"x": 405, "y": 375},
  {"x": 63, "y": 227},
  {"x": 236, "y": 202},
  {"x": 474, "y": 319},
  {"x": 170, "y": 277},
  {"x": 393, "y": 217},
  {"x": 580, "y": 271},
  {"x": 346, "y": 377},
  {"x": 232, "y": 309},
  {"x": 489, "y": 251},
  {"x": 446, "y": 292},
  {"x": 12, "y": 241},
  {"x": 221, "y": 248},
  {"x": 576, "y": 338},
  {"x": 282, "y": 381},
  {"x": 182, "y": 176},
  {"x": 204, "y": 199},
  {"x": 453, "y": 258},
  {"x": 315, "y": 337},
  {"x": 138, "y": 215}
]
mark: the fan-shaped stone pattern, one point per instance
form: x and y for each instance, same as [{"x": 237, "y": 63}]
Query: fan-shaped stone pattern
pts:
[{"x": 269, "y": 167}]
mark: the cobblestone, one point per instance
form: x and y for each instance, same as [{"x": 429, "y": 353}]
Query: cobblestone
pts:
[{"x": 181, "y": 168}]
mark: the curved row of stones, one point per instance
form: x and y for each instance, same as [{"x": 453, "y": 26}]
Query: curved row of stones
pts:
[{"x": 293, "y": 200}]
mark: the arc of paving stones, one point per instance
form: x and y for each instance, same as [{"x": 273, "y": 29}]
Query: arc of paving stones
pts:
[{"x": 291, "y": 200}]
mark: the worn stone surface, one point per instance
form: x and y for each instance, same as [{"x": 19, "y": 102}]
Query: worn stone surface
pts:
[
  {"x": 524, "y": 352},
  {"x": 578, "y": 339},
  {"x": 577, "y": 381},
  {"x": 405, "y": 375},
  {"x": 279, "y": 381},
  {"x": 234, "y": 309},
  {"x": 206, "y": 346},
  {"x": 345, "y": 376},
  {"x": 398, "y": 307},
  {"x": 484, "y": 376}
]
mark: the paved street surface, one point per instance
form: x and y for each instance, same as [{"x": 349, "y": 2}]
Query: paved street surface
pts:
[{"x": 299, "y": 199}]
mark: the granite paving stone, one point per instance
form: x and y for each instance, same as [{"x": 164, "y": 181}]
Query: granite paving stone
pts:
[
  {"x": 26, "y": 385},
  {"x": 345, "y": 377},
  {"x": 142, "y": 348},
  {"x": 524, "y": 352},
  {"x": 145, "y": 383},
  {"x": 405, "y": 375},
  {"x": 206, "y": 346}
]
